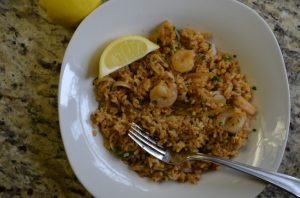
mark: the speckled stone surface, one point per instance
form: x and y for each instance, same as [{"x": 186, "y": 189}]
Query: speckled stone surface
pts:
[{"x": 33, "y": 162}]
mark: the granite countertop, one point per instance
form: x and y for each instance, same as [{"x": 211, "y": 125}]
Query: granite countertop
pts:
[{"x": 33, "y": 162}]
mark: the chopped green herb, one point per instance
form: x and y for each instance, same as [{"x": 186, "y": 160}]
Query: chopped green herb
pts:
[
  {"x": 254, "y": 88},
  {"x": 209, "y": 46},
  {"x": 221, "y": 123},
  {"x": 203, "y": 102},
  {"x": 173, "y": 49},
  {"x": 159, "y": 42},
  {"x": 215, "y": 79},
  {"x": 211, "y": 114},
  {"x": 202, "y": 57},
  {"x": 227, "y": 58},
  {"x": 177, "y": 34},
  {"x": 254, "y": 130}
]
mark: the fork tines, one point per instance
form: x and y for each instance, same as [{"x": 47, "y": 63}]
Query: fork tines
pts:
[
  {"x": 142, "y": 132},
  {"x": 142, "y": 138}
]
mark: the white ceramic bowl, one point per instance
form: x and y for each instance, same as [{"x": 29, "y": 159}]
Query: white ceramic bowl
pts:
[{"x": 237, "y": 29}]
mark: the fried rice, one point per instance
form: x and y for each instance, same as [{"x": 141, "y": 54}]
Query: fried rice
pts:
[{"x": 189, "y": 97}]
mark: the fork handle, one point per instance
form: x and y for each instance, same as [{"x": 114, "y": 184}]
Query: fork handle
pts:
[{"x": 286, "y": 182}]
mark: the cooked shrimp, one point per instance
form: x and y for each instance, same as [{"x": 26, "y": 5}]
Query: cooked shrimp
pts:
[
  {"x": 165, "y": 92},
  {"x": 183, "y": 60},
  {"x": 242, "y": 103},
  {"x": 232, "y": 120}
]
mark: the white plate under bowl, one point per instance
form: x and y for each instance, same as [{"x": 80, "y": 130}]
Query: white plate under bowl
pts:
[{"x": 237, "y": 29}]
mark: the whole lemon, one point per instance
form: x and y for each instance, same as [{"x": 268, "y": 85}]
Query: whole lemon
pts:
[{"x": 68, "y": 12}]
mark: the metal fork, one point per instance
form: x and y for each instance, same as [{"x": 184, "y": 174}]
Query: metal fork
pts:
[{"x": 142, "y": 138}]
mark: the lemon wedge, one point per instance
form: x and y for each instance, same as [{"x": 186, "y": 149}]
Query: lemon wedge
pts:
[
  {"x": 123, "y": 51},
  {"x": 68, "y": 12}
]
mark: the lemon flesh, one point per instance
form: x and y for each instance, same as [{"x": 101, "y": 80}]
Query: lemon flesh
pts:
[
  {"x": 68, "y": 12},
  {"x": 122, "y": 52}
]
